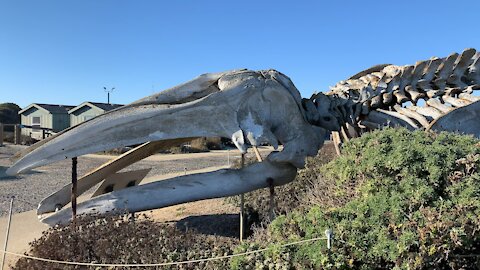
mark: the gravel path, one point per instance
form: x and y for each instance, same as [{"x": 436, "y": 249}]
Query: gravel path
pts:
[{"x": 30, "y": 188}]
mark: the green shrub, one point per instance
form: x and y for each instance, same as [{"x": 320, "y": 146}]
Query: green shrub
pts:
[{"x": 412, "y": 202}]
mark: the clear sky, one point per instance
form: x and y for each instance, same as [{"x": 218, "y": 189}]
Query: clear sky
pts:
[{"x": 65, "y": 52}]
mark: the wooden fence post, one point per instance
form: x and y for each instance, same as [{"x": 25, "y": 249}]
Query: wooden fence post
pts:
[
  {"x": 1, "y": 134},
  {"x": 17, "y": 134}
]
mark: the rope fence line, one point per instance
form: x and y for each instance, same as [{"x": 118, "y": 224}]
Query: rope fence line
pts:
[{"x": 163, "y": 264}]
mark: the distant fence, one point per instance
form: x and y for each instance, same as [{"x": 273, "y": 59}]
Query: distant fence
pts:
[{"x": 17, "y": 130}]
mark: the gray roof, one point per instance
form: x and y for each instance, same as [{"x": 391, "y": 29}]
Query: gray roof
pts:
[
  {"x": 106, "y": 106},
  {"x": 51, "y": 108},
  {"x": 56, "y": 108}
]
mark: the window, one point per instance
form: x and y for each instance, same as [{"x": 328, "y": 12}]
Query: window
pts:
[{"x": 36, "y": 123}]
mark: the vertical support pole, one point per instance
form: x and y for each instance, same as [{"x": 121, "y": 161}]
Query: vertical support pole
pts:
[
  {"x": 43, "y": 134},
  {"x": 17, "y": 134},
  {"x": 272, "y": 199},
  {"x": 242, "y": 203},
  {"x": 74, "y": 188},
  {"x": 7, "y": 232},
  {"x": 1, "y": 134},
  {"x": 271, "y": 186}
]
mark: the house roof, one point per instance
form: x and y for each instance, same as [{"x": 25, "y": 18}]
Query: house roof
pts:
[
  {"x": 102, "y": 106},
  {"x": 106, "y": 106},
  {"x": 51, "y": 108}
]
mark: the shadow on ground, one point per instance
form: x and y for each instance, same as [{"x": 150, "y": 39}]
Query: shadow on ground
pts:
[
  {"x": 217, "y": 224},
  {"x": 4, "y": 176}
]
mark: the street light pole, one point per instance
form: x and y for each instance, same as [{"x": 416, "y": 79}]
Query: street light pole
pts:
[{"x": 108, "y": 93}]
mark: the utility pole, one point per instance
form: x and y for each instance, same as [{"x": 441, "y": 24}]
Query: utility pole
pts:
[{"x": 108, "y": 93}]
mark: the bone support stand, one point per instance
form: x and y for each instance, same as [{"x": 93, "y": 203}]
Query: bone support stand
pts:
[
  {"x": 272, "y": 199},
  {"x": 242, "y": 202},
  {"x": 74, "y": 188}
]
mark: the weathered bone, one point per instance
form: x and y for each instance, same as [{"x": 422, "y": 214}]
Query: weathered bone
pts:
[
  {"x": 464, "y": 120},
  {"x": 461, "y": 65},
  {"x": 62, "y": 197},
  {"x": 430, "y": 112},
  {"x": 439, "y": 106},
  {"x": 455, "y": 101},
  {"x": 412, "y": 114},
  {"x": 188, "y": 188}
]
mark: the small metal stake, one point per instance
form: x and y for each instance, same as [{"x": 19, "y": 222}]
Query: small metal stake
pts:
[
  {"x": 329, "y": 234},
  {"x": 242, "y": 202},
  {"x": 74, "y": 188},
  {"x": 8, "y": 232}
]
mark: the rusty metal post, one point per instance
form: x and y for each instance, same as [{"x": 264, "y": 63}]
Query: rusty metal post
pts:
[
  {"x": 1, "y": 134},
  {"x": 17, "y": 134},
  {"x": 272, "y": 199},
  {"x": 7, "y": 232},
  {"x": 74, "y": 188},
  {"x": 242, "y": 204}
]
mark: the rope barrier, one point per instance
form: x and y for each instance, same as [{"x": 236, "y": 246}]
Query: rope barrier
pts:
[{"x": 160, "y": 264}]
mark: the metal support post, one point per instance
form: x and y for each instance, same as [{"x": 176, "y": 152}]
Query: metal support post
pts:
[
  {"x": 74, "y": 188},
  {"x": 242, "y": 203},
  {"x": 272, "y": 199}
]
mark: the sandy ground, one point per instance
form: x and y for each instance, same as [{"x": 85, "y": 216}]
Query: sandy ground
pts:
[{"x": 29, "y": 189}]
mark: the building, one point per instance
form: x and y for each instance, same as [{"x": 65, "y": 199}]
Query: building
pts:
[
  {"x": 37, "y": 117},
  {"x": 88, "y": 110}
]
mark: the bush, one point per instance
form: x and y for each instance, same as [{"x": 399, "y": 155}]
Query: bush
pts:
[
  {"x": 408, "y": 200},
  {"x": 120, "y": 240}
]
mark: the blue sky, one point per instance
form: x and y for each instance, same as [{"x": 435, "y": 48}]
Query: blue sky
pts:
[{"x": 65, "y": 52}]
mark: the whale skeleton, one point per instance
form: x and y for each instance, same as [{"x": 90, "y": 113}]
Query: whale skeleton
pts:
[{"x": 254, "y": 108}]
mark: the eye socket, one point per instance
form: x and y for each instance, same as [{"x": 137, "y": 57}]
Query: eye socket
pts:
[{"x": 327, "y": 118}]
